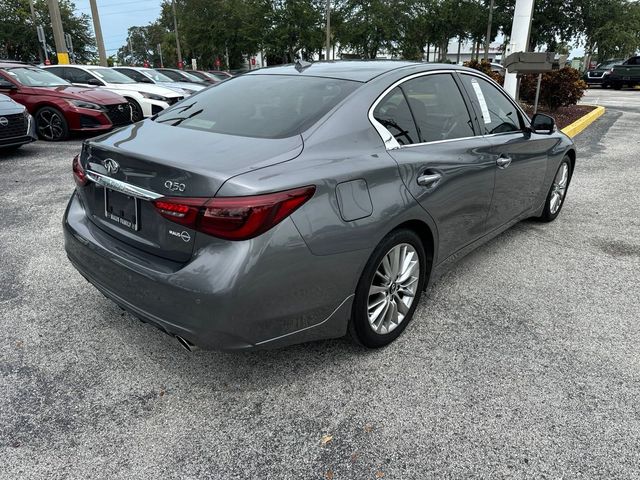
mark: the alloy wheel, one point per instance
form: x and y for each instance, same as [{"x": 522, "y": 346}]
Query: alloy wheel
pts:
[
  {"x": 50, "y": 125},
  {"x": 393, "y": 288},
  {"x": 559, "y": 188}
]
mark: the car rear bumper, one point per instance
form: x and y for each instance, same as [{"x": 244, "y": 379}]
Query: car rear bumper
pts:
[{"x": 266, "y": 292}]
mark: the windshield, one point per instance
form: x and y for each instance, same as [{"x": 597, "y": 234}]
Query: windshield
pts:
[
  {"x": 191, "y": 76},
  {"x": 263, "y": 106},
  {"x": 607, "y": 65},
  {"x": 36, "y": 77},
  {"x": 111, "y": 76},
  {"x": 156, "y": 76}
]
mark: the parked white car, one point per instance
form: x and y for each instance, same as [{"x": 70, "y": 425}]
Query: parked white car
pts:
[
  {"x": 145, "y": 100},
  {"x": 149, "y": 75}
]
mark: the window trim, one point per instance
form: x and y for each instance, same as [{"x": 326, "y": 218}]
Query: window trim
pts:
[{"x": 389, "y": 140}]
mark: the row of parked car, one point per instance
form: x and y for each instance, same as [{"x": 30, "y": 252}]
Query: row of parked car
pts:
[
  {"x": 51, "y": 102},
  {"x": 616, "y": 73}
]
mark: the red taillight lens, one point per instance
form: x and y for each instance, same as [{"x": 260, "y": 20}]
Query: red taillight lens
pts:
[
  {"x": 234, "y": 218},
  {"x": 79, "y": 174}
]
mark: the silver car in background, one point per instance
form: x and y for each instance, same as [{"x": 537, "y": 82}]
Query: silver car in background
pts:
[
  {"x": 149, "y": 75},
  {"x": 306, "y": 201}
]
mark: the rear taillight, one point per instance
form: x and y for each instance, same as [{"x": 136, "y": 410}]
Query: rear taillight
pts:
[
  {"x": 233, "y": 218},
  {"x": 79, "y": 175}
]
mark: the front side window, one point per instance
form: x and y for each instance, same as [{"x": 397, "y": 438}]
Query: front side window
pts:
[
  {"x": 393, "y": 113},
  {"x": 438, "y": 108},
  {"x": 497, "y": 114},
  {"x": 77, "y": 75},
  {"x": 263, "y": 106}
]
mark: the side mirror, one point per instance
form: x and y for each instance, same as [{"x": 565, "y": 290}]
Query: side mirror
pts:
[
  {"x": 7, "y": 85},
  {"x": 541, "y": 123},
  {"x": 94, "y": 81}
]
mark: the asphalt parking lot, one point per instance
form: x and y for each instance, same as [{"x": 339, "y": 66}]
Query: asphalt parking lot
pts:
[{"x": 523, "y": 361}]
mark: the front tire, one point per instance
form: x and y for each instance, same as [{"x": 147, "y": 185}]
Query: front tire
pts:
[
  {"x": 51, "y": 124},
  {"x": 557, "y": 192},
  {"x": 389, "y": 289},
  {"x": 136, "y": 110}
]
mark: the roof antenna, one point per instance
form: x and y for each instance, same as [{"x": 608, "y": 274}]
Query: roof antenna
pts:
[{"x": 301, "y": 65}]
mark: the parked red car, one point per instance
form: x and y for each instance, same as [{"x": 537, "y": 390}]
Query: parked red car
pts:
[{"x": 59, "y": 107}]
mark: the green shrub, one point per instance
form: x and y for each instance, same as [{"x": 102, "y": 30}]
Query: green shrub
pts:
[
  {"x": 485, "y": 67},
  {"x": 559, "y": 88}
]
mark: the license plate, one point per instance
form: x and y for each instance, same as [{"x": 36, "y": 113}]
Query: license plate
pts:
[{"x": 122, "y": 209}]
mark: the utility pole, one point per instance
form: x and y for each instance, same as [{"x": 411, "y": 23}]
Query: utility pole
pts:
[
  {"x": 58, "y": 33},
  {"x": 175, "y": 29},
  {"x": 328, "y": 30},
  {"x": 102, "y": 54},
  {"x": 35, "y": 24},
  {"x": 488, "y": 37}
]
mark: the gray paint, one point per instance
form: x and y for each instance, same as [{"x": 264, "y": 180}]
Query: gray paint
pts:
[{"x": 282, "y": 287}]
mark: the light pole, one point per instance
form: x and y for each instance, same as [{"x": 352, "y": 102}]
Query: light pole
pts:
[
  {"x": 519, "y": 40},
  {"x": 328, "y": 30}
]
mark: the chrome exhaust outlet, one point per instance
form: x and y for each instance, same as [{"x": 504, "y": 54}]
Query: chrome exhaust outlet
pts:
[{"x": 186, "y": 344}]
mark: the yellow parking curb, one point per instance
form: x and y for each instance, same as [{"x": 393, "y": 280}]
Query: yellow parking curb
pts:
[{"x": 579, "y": 125}]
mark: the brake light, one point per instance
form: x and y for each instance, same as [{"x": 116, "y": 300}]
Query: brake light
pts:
[
  {"x": 79, "y": 175},
  {"x": 234, "y": 218}
]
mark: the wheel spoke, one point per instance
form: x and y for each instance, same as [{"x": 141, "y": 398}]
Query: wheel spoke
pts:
[
  {"x": 393, "y": 289},
  {"x": 377, "y": 289}
]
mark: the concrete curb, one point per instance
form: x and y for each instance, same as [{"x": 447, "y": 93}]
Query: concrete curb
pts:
[{"x": 579, "y": 125}]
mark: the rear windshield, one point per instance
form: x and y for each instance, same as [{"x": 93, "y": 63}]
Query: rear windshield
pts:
[{"x": 263, "y": 106}]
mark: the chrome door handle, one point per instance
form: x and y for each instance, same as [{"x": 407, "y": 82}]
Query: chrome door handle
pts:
[
  {"x": 503, "y": 162},
  {"x": 429, "y": 179}
]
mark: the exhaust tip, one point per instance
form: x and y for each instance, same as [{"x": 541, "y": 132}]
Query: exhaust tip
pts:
[{"x": 186, "y": 344}]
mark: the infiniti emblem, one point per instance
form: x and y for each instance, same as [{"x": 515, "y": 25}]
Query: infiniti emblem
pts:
[
  {"x": 3, "y": 121},
  {"x": 111, "y": 166}
]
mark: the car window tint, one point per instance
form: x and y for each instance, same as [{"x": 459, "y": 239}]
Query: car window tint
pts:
[
  {"x": 263, "y": 106},
  {"x": 393, "y": 113},
  {"x": 438, "y": 108},
  {"x": 497, "y": 114},
  {"x": 79, "y": 76}
]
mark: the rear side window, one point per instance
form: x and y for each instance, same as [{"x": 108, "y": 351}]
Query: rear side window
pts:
[
  {"x": 497, "y": 114},
  {"x": 393, "y": 114},
  {"x": 438, "y": 108},
  {"x": 263, "y": 106}
]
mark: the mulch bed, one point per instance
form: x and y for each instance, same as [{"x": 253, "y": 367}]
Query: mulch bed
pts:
[{"x": 564, "y": 116}]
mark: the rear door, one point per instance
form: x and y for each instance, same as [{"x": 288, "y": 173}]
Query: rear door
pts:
[
  {"x": 440, "y": 155},
  {"x": 519, "y": 156}
]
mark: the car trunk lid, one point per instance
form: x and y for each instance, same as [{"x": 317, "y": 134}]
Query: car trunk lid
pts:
[{"x": 131, "y": 166}]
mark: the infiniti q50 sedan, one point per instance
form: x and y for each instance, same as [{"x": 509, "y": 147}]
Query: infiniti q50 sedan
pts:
[{"x": 307, "y": 201}]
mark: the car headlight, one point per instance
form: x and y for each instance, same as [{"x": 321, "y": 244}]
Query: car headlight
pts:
[
  {"x": 85, "y": 104},
  {"x": 153, "y": 96}
]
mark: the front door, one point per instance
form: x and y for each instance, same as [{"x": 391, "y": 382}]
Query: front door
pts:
[
  {"x": 520, "y": 157},
  {"x": 443, "y": 163}
]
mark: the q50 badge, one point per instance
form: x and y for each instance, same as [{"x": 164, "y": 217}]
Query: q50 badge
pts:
[{"x": 175, "y": 186}]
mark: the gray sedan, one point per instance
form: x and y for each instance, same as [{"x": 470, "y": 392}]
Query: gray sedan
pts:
[{"x": 308, "y": 201}]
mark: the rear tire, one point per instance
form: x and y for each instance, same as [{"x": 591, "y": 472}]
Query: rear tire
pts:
[
  {"x": 391, "y": 291},
  {"x": 617, "y": 85},
  {"x": 558, "y": 191},
  {"x": 51, "y": 124}
]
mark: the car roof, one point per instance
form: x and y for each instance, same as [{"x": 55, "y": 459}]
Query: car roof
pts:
[
  {"x": 17, "y": 65},
  {"x": 358, "y": 70}
]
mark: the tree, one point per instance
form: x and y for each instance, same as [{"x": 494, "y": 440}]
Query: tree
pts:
[
  {"x": 294, "y": 26},
  {"x": 144, "y": 45},
  {"x": 367, "y": 27},
  {"x": 18, "y": 40}
]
